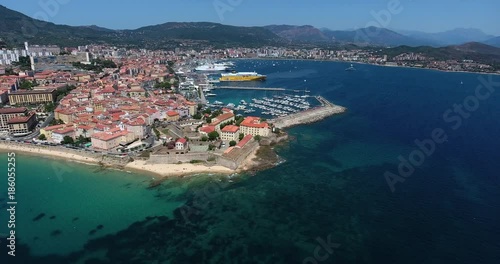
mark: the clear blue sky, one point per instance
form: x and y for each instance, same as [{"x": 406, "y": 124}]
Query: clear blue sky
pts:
[{"x": 423, "y": 15}]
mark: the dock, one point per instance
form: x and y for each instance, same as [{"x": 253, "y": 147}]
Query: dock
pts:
[
  {"x": 312, "y": 115},
  {"x": 250, "y": 88}
]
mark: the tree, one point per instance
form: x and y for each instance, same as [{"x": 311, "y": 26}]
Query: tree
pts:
[
  {"x": 200, "y": 106},
  {"x": 67, "y": 140},
  {"x": 232, "y": 143},
  {"x": 49, "y": 107},
  {"x": 26, "y": 85},
  {"x": 197, "y": 116},
  {"x": 239, "y": 120},
  {"x": 42, "y": 137},
  {"x": 213, "y": 135},
  {"x": 211, "y": 147},
  {"x": 257, "y": 137},
  {"x": 241, "y": 136},
  {"x": 204, "y": 138}
]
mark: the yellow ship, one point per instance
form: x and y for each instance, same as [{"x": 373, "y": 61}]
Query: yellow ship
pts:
[{"x": 242, "y": 77}]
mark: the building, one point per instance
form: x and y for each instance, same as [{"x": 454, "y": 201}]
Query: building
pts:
[
  {"x": 230, "y": 133},
  {"x": 244, "y": 141},
  {"x": 111, "y": 139},
  {"x": 22, "y": 124},
  {"x": 137, "y": 91},
  {"x": 47, "y": 131},
  {"x": 193, "y": 108},
  {"x": 172, "y": 116},
  {"x": 58, "y": 135},
  {"x": 204, "y": 131},
  {"x": 181, "y": 144},
  {"x": 32, "y": 97},
  {"x": 8, "y": 114},
  {"x": 253, "y": 126},
  {"x": 221, "y": 119}
]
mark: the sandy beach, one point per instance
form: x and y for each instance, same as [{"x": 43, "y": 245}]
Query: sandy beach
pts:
[
  {"x": 166, "y": 170},
  {"x": 46, "y": 152}
]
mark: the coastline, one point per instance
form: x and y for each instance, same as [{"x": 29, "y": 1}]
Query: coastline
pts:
[{"x": 139, "y": 166}]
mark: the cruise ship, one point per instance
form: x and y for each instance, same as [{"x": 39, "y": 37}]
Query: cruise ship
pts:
[{"x": 242, "y": 77}]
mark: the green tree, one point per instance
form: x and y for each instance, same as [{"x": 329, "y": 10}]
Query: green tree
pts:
[
  {"x": 257, "y": 137},
  {"x": 197, "y": 116},
  {"x": 232, "y": 143},
  {"x": 26, "y": 85},
  {"x": 50, "y": 107},
  {"x": 211, "y": 147},
  {"x": 241, "y": 136},
  {"x": 213, "y": 135},
  {"x": 42, "y": 137},
  {"x": 204, "y": 138},
  {"x": 239, "y": 120},
  {"x": 68, "y": 140}
]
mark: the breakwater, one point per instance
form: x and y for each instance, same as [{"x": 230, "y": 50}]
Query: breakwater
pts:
[{"x": 312, "y": 115}]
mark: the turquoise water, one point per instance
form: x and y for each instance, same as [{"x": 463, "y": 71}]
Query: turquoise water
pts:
[{"x": 331, "y": 187}]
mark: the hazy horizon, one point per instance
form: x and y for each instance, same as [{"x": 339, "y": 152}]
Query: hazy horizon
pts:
[{"x": 425, "y": 16}]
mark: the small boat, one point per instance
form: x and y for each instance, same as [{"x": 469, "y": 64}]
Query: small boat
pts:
[
  {"x": 351, "y": 68},
  {"x": 210, "y": 94}
]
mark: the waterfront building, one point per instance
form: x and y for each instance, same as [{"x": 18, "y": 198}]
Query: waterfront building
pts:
[
  {"x": 111, "y": 139},
  {"x": 254, "y": 126}
]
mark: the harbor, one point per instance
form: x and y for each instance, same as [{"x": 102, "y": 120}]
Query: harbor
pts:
[{"x": 283, "y": 107}]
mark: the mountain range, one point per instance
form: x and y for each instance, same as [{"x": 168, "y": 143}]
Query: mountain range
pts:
[{"x": 15, "y": 28}]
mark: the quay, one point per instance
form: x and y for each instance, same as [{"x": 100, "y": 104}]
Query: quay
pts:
[
  {"x": 312, "y": 115},
  {"x": 250, "y": 88}
]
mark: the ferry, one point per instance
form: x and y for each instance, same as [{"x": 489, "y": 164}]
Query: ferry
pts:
[
  {"x": 242, "y": 77},
  {"x": 215, "y": 67}
]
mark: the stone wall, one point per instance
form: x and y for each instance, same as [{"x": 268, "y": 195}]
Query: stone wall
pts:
[{"x": 176, "y": 158}]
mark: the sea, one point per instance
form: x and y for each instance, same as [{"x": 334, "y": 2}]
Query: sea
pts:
[{"x": 409, "y": 174}]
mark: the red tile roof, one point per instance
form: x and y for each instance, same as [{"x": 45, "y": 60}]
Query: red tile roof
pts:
[
  {"x": 254, "y": 122},
  {"x": 12, "y": 110},
  {"x": 230, "y": 129},
  {"x": 244, "y": 141},
  {"x": 172, "y": 113},
  {"x": 207, "y": 129}
]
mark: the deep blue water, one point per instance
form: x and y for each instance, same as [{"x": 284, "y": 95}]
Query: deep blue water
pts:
[{"x": 332, "y": 186}]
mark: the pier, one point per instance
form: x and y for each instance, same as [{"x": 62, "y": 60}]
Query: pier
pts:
[
  {"x": 312, "y": 115},
  {"x": 250, "y": 88}
]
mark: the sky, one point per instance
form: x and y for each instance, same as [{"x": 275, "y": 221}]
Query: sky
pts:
[{"x": 421, "y": 15}]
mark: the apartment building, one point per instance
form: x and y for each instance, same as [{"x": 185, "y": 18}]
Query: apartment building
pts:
[{"x": 32, "y": 97}]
